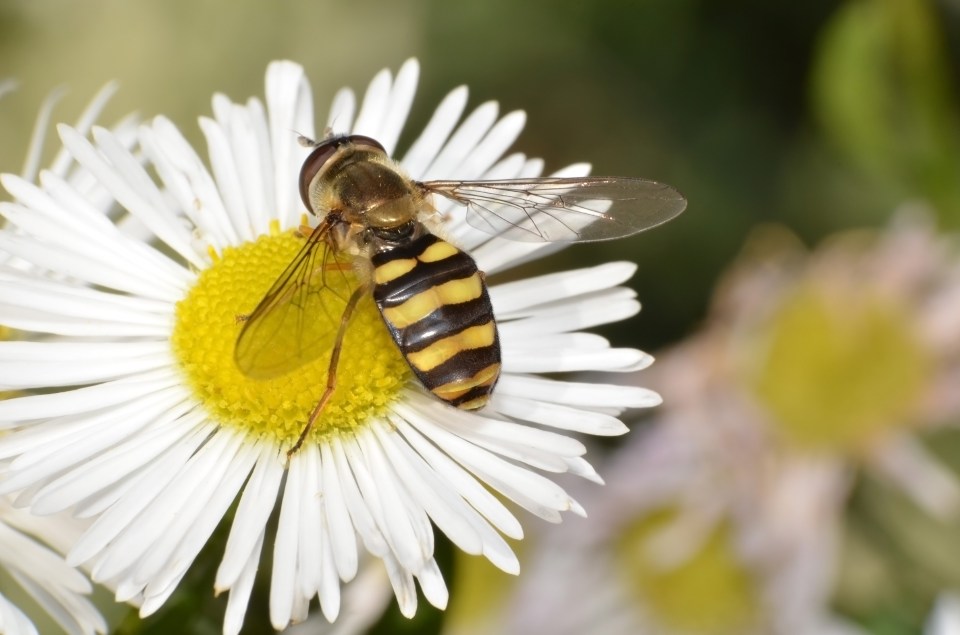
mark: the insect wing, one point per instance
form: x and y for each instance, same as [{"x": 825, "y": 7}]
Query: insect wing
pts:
[
  {"x": 295, "y": 322},
  {"x": 563, "y": 209}
]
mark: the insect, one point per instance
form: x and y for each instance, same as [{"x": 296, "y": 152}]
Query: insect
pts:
[{"x": 375, "y": 221}]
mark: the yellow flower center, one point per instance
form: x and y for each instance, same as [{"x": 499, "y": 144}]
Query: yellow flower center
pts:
[
  {"x": 834, "y": 374},
  {"x": 711, "y": 592},
  {"x": 370, "y": 373}
]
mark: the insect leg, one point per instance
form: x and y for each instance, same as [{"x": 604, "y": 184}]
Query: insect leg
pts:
[{"x": 358, "y": 293}]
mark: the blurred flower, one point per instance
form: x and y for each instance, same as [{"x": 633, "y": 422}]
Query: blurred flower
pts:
[
  {"x": 723, "y": 515},
  {"x": 164, "y": 433},
  {"x": 843, "y": 353}
]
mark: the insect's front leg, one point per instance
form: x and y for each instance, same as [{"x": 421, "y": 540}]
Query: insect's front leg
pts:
[{"x": 358, "y": 293}]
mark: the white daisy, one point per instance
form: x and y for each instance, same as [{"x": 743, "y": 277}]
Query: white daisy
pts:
[{"x": 145, "y": 424}]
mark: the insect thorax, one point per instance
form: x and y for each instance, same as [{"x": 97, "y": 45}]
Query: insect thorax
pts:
[{"x": 373, "y": 194}]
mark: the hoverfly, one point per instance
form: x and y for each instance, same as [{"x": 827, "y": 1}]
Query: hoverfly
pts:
[{"x": 431, "y": 296}]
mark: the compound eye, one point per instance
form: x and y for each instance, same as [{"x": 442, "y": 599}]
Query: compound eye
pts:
[
  {"x": 361, "y": 140},
  {"x": 315, "y": 162}
]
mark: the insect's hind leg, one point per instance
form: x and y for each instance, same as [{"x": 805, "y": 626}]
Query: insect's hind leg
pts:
[{"x": 358, "y": 293}]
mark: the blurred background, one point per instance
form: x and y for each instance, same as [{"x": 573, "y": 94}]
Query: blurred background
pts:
[{"x": 802, "y": 308}]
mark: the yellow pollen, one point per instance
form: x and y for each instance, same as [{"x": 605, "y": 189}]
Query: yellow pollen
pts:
[{"x": 209, "y": 319}]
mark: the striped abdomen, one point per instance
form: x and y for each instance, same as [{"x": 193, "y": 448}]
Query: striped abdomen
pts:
[{"x": 434, "y": 301}]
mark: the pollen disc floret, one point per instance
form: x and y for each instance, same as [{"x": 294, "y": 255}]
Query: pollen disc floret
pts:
[{"x": 209, "y": 319}]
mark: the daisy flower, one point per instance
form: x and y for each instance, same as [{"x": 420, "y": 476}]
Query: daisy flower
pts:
[
  {"x": 846, "y": 351},
  {"x": 143, "y": 422}
]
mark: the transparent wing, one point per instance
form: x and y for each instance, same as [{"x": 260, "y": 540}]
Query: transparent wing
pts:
[
  {"x": 297, "y": 319},
  {"x": 563, "y": 209}
]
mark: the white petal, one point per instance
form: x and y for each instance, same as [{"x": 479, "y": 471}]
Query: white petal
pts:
[
  {"x": 374, "y": 106},
  {"x": 146, "y": 486},
  {"x": 342, "y": 536},
  {"x": 67, "y": 442},
  {"x": 40, "y": 364},
  {"x": 13, "y": 620},
  {"x": 196, "y": 520},
  {"x": 508, "y": 439},
  {"x": 531, "y": 491},
  {"x": 127, "y": 181},
  {"x": 309, "y": 570},
  {"x": 35, "y": 147},
  {"x": 572, "y": 316},
  {"x": 240, "y": 591},
  {"x": 59, "y": 214},
  {"x": 161, "y": 522},
  {"x": 382, "y": 497},
  {"x": 401, "y": 98},
  {"x": 329, "y": 592},
  {"x": 340, "y": 120},
  {"x": 260, "y": 147},
  {"x": 446, "y": 165},
  {"x": 559, "y": 359},
  {"x": 945, "y": 618},
  {"x": 290, "y": 112},
  {"x": 256, "y": 504},
  {"x": 362, "y": 518},
  {"x": 489, "y": 150},
  {"x": 557, "y": 416},
  {"x": 403, "y": 587},
  {"x": 228, "y": 178},
  {"x": 106, "y": 274},
  {"x": 25, "y": 309},
  {"x": 187, "y": 178},
  {"x": 579, "y": 467},
  {"x": 577, "y": 393},
  {"x": 80, "y": 400},
  {"x": 424, "y": 150},
  {"x": 465, "y": 484},
  {"x": 434, "y": 588},
  {"x": 512, "y": 298},
  {"x": 101, "y": 471},
  {"x": 491, "y": 544},
  {"x": 429, "y": 492},
  {"x": 78, "y": 215},
  {"x": 83, "y": 125},
  {"x": 284, "y": 573}
]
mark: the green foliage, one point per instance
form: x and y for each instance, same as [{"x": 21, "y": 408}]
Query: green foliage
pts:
[{"x": 882, "y": 90}]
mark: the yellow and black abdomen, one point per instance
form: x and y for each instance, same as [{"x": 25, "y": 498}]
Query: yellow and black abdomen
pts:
[{"x": 436, "y": 306}]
